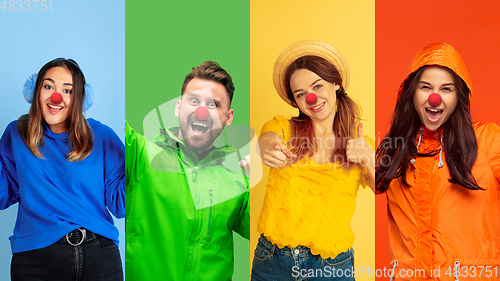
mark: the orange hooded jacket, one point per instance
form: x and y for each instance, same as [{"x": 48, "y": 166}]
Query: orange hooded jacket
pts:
[{"x": 439, "y": 230}]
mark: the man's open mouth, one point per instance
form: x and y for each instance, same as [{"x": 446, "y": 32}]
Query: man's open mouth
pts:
[{"x": 199, "y": 128}]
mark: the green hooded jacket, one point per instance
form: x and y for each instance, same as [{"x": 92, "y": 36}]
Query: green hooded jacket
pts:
[{"x": 180, "y": 211}]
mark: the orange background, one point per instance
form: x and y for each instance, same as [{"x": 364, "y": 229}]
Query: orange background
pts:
[{"x": 402, "y": 28}]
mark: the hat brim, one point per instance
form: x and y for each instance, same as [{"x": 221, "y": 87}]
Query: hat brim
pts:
[{"x": 307, "y": 48}]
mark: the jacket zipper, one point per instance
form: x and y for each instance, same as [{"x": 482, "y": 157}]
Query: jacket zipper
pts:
[
  {"x": 211, "y": 202},
  {"x": 195, "y": 173},
  {"x": 209, "y": 212}
]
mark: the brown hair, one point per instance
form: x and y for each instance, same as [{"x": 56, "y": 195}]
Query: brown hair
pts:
[
  {"x": 346, "y": 115},
  {"x": 210, "y": 70},
  {"x": 30, "y": 126},
  {"x": 398, "y": 146}
]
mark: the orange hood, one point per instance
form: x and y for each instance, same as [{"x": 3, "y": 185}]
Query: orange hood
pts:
[{"x": 442, "y": 54}]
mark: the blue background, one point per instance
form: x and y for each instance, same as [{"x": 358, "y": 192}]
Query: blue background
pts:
[{"x": 90, "y": 32}]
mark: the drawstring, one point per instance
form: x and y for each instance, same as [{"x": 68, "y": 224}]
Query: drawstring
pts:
[
  {"x": 394, "y": 266},
  {"x": 412, "y": 160},
  {"x": 456, "y": 269},
  {"x": 441, "y": 163}
]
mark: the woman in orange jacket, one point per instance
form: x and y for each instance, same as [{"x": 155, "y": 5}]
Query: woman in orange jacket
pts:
[{"x": 441, "y": 176}]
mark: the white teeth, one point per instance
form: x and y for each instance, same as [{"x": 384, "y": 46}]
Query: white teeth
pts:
[
  {"x": 55, "y": 107},
  {"x": 200, "y": 124},
  {"x": 316, "y": 107},
  {"x": 434, "y": 110}
]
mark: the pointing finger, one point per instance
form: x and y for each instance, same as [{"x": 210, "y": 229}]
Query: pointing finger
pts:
[
  {"x": 285, "y": 151},
  {"x": 288, "y": 153}
]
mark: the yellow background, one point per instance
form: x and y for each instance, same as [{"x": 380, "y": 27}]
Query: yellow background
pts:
[{"x": 347, "y": 25}]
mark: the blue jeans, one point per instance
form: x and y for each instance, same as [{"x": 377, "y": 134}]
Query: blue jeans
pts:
[
  {"x": 271, "y": 263},
  {"x": 88, "y": 257}
]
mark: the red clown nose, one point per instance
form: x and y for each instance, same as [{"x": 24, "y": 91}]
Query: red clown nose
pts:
[
  {"x": 56, "y": 98},
  {"x": 434, "y": 99},
  {"x": 311, "y": 98},
  {"x": 201, "y": 113}
]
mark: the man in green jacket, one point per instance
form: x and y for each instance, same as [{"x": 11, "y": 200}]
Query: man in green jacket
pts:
[{"x": 183, "y": 198}]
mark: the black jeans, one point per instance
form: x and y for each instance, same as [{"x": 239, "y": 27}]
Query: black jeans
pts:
[{"x": 93, "y": 258}]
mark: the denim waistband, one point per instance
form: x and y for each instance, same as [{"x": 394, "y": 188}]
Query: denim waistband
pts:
[
  {"x": 299, "y": 251},
  {"x": 78, "y": 236}
]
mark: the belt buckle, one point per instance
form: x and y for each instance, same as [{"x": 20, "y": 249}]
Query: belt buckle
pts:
[{"x": 84, "y": 234}]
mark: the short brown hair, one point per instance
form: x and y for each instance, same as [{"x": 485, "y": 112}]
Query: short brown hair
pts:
[{"x": 210, "y": 70}]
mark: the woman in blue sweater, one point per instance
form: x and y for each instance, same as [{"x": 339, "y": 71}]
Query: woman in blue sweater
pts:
[{"x": 67, "y": 174}]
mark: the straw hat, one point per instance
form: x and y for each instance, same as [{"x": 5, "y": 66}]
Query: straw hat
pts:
[{"x": 307, "y": 48}]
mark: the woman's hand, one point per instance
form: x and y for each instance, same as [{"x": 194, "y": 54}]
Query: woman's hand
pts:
[
  {"x": 358, "y": 151},
  {"x": 273, "y": 151}
]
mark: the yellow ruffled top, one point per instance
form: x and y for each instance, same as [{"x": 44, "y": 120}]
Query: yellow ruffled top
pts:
[{"x": 309, "y": 204}]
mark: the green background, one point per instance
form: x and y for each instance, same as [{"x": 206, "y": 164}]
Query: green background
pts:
[{"x": 164, "y": 40}]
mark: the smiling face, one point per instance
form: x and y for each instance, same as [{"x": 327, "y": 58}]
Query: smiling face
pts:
[
  {"x": 440, "y": 80},
  {"x": 199, "y": 135},
  {"x": 56, "y": 80},
  {"x": 303, "y": 82}
]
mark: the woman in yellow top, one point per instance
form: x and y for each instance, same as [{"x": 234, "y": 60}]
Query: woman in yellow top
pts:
[{"x": 317, "y": 164}]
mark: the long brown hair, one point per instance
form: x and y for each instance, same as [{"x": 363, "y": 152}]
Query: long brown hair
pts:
[
  {"x": 398, "y": 146},
  {"x": 31, "y": 125},
  {"x": 346, "y": 116}
]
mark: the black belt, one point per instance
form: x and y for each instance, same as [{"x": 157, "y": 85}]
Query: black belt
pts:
[{"x": 78, "y": 236}]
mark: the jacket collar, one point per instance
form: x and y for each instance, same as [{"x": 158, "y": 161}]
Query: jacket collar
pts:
[
  {"x": 437, "y": 135},
  {"x": 428, "y": 134}
]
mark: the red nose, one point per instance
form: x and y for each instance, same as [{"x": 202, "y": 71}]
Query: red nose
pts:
[
  {"x": 56, "y": 98},
  {"x": 311, "y": 98},
  {"x": 201, "y": 113},
  {"x": 434, "y": 99}
]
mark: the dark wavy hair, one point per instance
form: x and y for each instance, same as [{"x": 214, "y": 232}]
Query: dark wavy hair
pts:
[
  {"x": 398, "y": 146},
  {"x": 348, "y": 112},
  {"x": 30, "y": 126}
]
